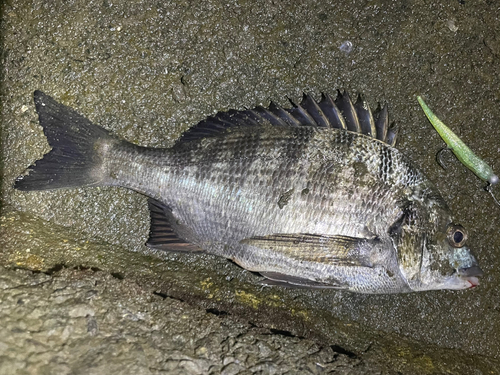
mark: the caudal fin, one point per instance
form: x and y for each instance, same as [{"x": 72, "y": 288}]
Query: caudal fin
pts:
[{"x": 77, "y": 149}]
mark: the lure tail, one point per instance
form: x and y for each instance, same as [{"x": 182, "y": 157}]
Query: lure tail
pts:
[{"x": 78, "y": 149}]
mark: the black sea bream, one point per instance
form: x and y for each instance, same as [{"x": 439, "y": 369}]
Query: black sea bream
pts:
[{"x": 314, "y": 196}]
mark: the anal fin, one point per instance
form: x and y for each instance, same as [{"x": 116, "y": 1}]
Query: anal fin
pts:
[{"x": 165, "y": 232}]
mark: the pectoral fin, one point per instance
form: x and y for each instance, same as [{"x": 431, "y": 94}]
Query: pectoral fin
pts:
[
  {"x": 280, "y": 279},
  {"x": 340, "y": 250}
]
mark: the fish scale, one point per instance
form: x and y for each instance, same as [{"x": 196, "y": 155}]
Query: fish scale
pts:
[
  {"x": 289, "y": 193},
  {"x": 241, "y": 160}
]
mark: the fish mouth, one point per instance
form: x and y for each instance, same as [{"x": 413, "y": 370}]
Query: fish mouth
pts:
[
  {"x": 472, "y": 282},
  {"x": 471, "y": 275}
]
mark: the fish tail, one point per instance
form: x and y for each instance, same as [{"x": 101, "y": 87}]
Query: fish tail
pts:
[{"x": 78, "y": 149}]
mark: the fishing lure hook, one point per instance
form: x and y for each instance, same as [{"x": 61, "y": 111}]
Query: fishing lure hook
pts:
[{"x": 439, "y": 157}]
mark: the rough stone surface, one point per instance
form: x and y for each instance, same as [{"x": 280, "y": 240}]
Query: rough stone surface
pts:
[
  {"x": 88, "y": 322},
  {"x": 147, "y": 70}
]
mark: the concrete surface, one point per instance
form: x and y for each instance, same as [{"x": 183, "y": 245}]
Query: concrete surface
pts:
[
  {"x": 89, "y": 322},
  {"x": 149, "y": 70}
]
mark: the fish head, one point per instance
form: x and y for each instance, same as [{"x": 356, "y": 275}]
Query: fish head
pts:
[
  {"x": 447, "y": 262},
  {"x": 432, "y": 250}
]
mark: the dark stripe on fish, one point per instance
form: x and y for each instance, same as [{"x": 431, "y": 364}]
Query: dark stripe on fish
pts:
[
  {"x": 386, "y": 165},
  {"x": 345, "y": 138},
  {"x": 302, "y": 137}
]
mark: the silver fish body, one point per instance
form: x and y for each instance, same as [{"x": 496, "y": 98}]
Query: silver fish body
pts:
[{"x": 303, "y": 204}]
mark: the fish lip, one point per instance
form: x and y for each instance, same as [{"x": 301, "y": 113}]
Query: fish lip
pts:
[{"x": 473, "y": 271}]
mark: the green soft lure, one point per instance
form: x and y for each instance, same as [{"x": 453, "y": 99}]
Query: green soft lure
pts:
[{"x": 461, "y": 151}]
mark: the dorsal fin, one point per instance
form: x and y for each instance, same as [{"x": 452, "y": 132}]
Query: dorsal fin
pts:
[{"x": 341, "y": 114}]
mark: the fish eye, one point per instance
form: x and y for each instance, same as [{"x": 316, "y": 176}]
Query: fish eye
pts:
[{"x": 456, "y": 235}]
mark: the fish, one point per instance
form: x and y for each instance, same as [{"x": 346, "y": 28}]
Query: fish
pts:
[
  {"x": 463, "y": 153},
  {"x": 313, "y": 196}
]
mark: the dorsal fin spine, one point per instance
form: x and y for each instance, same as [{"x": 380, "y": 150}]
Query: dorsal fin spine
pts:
[
  {"x": 344, "y": 103},
  {"x": 332, "y": 112},
  {"x": 365, "y": 117},
  {"x": 310, "y": 105},
  {"x": 340, "y": 113},
  {"x": 280, "y": 112},
  {"x": 302, "y": 115},
  {"x": 382, "y": 123}
]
